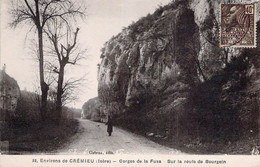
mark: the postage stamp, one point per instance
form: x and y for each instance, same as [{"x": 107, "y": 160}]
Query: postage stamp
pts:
[{"x": 238, "y": 25}]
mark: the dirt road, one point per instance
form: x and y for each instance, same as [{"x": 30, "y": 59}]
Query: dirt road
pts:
[{"x": 92, "y": 138}]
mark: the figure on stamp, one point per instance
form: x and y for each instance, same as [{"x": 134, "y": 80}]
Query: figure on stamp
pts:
[{"x": 236, "y": 17}]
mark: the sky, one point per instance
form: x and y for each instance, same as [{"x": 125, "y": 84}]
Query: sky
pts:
[{"x": 105, "y": 18}]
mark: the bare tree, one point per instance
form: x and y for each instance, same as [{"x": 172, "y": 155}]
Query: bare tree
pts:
[
  {"x": 68, "y": 54},
  {"x": 71, "y": 90},
  {"x": 37, "y": 14}
]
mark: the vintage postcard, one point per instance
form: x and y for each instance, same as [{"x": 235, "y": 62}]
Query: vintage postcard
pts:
[{"x": 129, "y": 83}]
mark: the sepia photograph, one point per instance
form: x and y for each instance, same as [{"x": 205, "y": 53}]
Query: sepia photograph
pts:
[{"x": 87, "y": 82}]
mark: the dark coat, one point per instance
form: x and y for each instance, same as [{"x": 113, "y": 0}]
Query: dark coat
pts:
[{"x": 109, "y": 125}]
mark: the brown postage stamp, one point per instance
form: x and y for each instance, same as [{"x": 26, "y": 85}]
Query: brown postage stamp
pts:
[{"x": 237, "y": 25}]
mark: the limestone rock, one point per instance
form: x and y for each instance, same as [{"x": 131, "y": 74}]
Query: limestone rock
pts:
[
  {"x": 9, "y": 93},
  {"x": 91, "y": 110},
  {"x": 169, "y": 67},
  {"x": 162, "y": 49}
]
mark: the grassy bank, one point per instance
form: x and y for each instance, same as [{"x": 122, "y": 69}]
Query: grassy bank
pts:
[
  {"x": 40, "y": 137},
  {"x": 139, "y": 124}
]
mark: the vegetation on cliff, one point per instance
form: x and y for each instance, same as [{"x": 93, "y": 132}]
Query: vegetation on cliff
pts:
[
  {"x": 165, "y": 77},
  {"x": 27, "y": 133}
]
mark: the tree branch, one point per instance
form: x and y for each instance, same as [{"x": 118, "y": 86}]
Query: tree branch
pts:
[
  {"x": 56, "y": 70},
  {"x": 29, "y": 7},
  {"x": 61, "y": 15},
  {"x": 69, "y": 48},
  {"x": 54, "y": 40}
]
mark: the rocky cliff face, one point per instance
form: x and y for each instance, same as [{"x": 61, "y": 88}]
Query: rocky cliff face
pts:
[
  {"x": 155, "y": 64},
  {"x": 9, "y": 93},
  {"x": 143, "y": 59},
  {"x": 91, "y": 110},
  {"x": 9, "y": 96}
]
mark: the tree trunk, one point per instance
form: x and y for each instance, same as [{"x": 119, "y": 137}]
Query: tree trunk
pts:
[
  {"x": 60, "y": 92},
  {"x": 44, "y": 86},
  {"x": 200, "y": 70}
]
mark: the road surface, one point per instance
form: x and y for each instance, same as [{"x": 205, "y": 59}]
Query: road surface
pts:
[{"x": 92, "y": 138}]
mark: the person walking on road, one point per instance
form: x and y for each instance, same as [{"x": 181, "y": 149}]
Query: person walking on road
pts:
[{"x": 109, "y": 126}]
